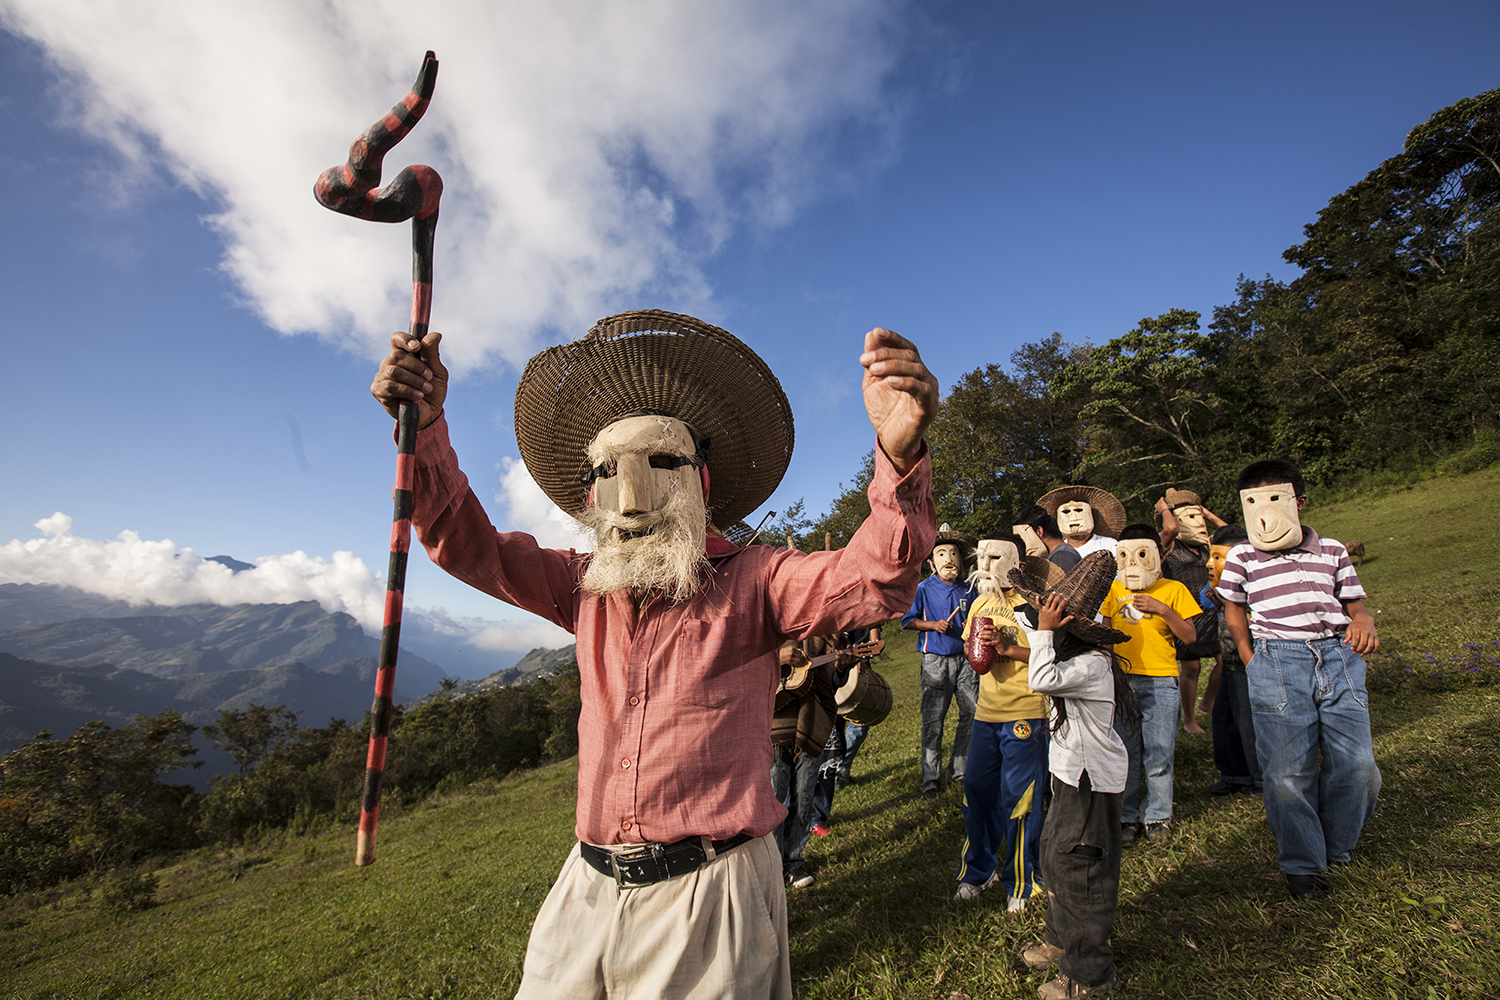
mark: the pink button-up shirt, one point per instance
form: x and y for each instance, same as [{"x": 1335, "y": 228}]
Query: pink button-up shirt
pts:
[{"x": 674, "y": 739}]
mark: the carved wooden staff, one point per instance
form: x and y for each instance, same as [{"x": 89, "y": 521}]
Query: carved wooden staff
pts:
[{"x": 412, "y": 194}]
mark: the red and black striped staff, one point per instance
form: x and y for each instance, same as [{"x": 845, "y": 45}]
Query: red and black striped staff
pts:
[{"x": 412, "y": 194}]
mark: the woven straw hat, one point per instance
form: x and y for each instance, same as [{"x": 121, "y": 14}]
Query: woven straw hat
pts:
[
  {"x": 1084, "y": 589},
  {"x": 1106, "y": 508},
  {"x": 654, "y": 360},
  {"x": 1042, "y": 571},
  {"x": 1182, "y": 498},
  {"x": 947, "y": 536}
]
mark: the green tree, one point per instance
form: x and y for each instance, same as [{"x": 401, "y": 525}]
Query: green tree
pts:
[
  {"x": 95, "y": 799},
  {"x": 251, "y": 733}
]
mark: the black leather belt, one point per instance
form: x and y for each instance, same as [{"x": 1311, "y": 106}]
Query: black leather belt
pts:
[{"x": 652, "y": 863}]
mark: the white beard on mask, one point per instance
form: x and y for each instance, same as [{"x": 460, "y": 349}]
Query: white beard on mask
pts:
[
  {"x": 671, "y": 559},
  {"x": 993, "y": 562},
  {"x": 646, "y": 510},
  {"x": 1272, "y": 517}
]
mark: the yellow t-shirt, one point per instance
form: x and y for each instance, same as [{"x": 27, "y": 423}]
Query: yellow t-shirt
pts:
[
  {"x": 1004, "y": 695},
  {"x": 1149, "y": 649}
]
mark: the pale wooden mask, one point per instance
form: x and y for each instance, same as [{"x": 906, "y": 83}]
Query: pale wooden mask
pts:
[
  {"x": 1034, "y": 545},
  {"x": 1272, "y": 517},
  {"x": 1075, "y": 519},
  {"x": 1139, "y": 560}
]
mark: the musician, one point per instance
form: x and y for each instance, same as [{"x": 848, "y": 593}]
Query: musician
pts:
[
  {"x": 805, "y": 723},
  {"x": 675, "y": 888}
]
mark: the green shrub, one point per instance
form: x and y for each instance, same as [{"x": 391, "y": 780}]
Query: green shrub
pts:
[{"x": 129, "y": 892}]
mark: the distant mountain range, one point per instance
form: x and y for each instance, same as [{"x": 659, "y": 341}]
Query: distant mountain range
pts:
[{"x": 68, "y": 657}]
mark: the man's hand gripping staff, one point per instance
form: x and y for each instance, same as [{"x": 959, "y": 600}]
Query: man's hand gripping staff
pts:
[{"x": 412, "y": 194}]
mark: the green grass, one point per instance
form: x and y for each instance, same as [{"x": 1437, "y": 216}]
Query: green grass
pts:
[{"x": 447, "y": 909}]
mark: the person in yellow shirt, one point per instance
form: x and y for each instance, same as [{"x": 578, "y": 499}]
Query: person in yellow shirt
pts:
[
  {"x": 1007, "y": 768},
  {"x": 1150, "y": 610}
]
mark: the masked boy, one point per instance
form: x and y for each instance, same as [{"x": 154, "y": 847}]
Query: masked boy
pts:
[
  {"x": 938, "y": 612},
  {"x": 1151, "y": 610},
  {"x": 1296, "y": 610},
  {"x": 1007, "y": 770}
]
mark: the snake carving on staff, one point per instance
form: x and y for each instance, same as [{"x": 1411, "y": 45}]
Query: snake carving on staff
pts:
[{"x": 351, "y": 189}]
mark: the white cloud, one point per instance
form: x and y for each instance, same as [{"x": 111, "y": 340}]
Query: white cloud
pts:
[
  {"x": 532, "y": 511},
  {"x": 594, "y": 154},
  {"x": 140, "y": 571}
]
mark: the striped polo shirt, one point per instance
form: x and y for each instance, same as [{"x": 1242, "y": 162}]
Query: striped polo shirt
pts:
[{"x": 1293, "y": 594}]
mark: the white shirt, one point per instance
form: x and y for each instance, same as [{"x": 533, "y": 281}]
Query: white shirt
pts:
[
  {"x": 1096, "y": 543},
  {"x": 1087, "y": 741}
]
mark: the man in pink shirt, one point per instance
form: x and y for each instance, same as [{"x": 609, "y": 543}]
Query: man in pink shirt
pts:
[{"x": 675, "y": 888}]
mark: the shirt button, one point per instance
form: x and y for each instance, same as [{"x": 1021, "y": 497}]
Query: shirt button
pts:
[
  {"x": 634, "y": 700},
  {"x": 625, "y": 762},
  {"x": 625, "y": 825}
]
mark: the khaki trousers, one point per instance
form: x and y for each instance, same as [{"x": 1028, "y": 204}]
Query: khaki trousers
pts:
[{"x": 718, "y": 932}]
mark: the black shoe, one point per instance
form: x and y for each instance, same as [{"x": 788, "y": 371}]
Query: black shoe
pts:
[
  {"x": 1306, "y": 887},
  {"x": 1222, "y": 787},
  {"x": 1130, "y": 833},
  {"x": 929, "y": 794}
]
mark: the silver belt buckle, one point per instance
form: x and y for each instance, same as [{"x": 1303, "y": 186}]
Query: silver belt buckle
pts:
[{"x": 653, "y": 851}]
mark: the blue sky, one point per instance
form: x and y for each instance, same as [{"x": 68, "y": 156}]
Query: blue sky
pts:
[{"x": 193, "y": 339}]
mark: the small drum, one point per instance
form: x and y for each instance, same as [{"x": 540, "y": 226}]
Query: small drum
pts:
[{"x": 865, "y": 699}]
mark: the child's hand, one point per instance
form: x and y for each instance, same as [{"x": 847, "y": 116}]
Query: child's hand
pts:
[
  {"x": 1148, "y": 605},
  {"x": 1052, "y": 615},
  {"x": 1361, "y": 636}
]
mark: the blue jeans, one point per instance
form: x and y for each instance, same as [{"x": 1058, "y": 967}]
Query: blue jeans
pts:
[
  {"x": 793, "y": 779},
  {"x": 943, "y": 679},
  {"x": 1309, "y": 700},
  {"x": 1234, "y": 731},
  {"x": 854, "y": 738},
  {"x": 1151, "y": 750}
]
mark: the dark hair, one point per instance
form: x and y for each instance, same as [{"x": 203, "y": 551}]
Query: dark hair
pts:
[
  {"x": 1143, "y": 531},
  {"x": 1036, "y": 516},
  {"x": 1229, "y": 534},
  {"x": 1269, "y": 472}
]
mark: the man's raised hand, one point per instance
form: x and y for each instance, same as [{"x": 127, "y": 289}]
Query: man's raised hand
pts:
[
  {"x": 901, "y": 395},
  {"x": 419, "y": 378}
]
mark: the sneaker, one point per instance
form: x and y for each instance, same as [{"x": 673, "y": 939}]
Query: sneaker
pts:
[
  {"x": 1130, "y": 833},
  {"x": 968, "y": 890},
  {"x": 1041, "y": 955},
  {"x": 821, "y": 830},
  {"x": 1015, "y": 904},
  {"x": 1158, "y": 833},
  {"x": 799, "y": 877},
  {"x": 930, "y": 794},
  {"x": 1062, "y": 987},
  {"x": 1222, "y": 787},
  {"x": 1306, "y": 887}
]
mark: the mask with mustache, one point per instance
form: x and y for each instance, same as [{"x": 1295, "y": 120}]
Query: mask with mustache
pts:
[{"x": 993, "y": 561}]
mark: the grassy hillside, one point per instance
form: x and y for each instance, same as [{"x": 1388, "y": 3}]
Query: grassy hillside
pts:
[{"x": 446, "y": 911}]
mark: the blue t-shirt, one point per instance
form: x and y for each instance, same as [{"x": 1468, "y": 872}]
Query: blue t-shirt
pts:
[{"x": 934, "y": 602}]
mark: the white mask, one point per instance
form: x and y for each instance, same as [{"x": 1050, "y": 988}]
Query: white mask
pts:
[
  {"x": 648, "y": 517},
  {"x": 947, "y": 562},
  {"x": 1034, "y": 545},
  {"x": 1272, "y": 517},
  {"x": 1075, "y": 519},
  {"x": 993, "y": 561},
  {"x": 1140, "y": 563},
  {"x": 1191, "y": 526}
]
